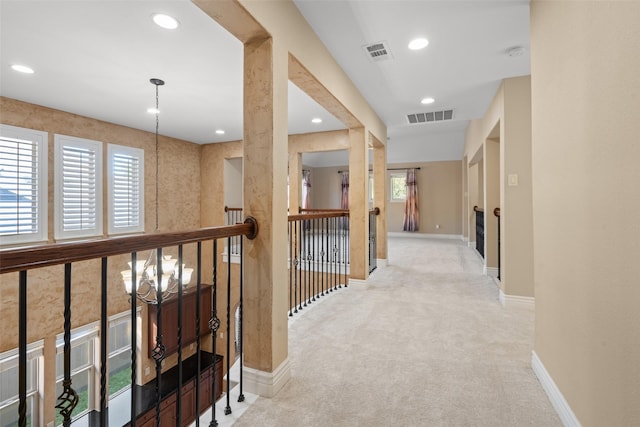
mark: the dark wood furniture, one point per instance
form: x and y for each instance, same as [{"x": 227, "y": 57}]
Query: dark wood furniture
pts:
[
  {"x": 479, "y": 230},
  {"x": 145, "y": 394},
  {"x": 170, "y": 319}
]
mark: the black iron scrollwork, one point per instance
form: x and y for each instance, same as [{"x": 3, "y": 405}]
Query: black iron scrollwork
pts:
[{"x": 67, "y": 401}]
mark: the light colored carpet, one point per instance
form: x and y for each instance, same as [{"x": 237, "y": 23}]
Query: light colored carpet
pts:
[{"x": 425, "y": 342}]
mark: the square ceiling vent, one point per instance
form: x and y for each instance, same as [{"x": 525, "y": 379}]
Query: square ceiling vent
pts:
[
  {"x": 431, "y": 116},
  {"x": 378, "y": 51}
]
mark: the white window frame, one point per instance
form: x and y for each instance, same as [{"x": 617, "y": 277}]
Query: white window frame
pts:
[
  {"x": 371, "y": 189},
  {"x": 34, "y": 351},
  {"x": 87, "y": 333},
  {"x": 115, "y": 320},
  {"x": 95, "y": 146},
  {"x": 391, "y": 178},
  {"x": 40, "y": 139},
  {"x": 137, "y": 153}
]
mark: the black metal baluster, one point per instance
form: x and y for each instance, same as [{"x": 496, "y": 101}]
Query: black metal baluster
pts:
[
  {"x": 22, "y": 349},
  {"x": 198, "y": 315},
  {"x": 159, "y": 350},
  {"x": 330, "y": 252},
  {"x": 305, "y": 274},
  {"x": 240, "y": 327},
  {"x": 227, "y": 409},
  {"x": 134, "y": 332},
  {"x": 291, "y": 269},
  {"x": 179, "y": 391},
  {"x": 104, "y": 331},
  {"x": 336, "y": 230},
  {"x": 314, "y": 256},
  {"x": 214, "y": 325},
  {"x": 297, "y": 273},
  {"x": 68, "y": 399},
  {"x": 322, "y": 252},
  {"x": 339, "y": 252}
]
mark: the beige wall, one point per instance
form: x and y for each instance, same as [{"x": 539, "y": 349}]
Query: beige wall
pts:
[
  {"x": 326, "y": 187},
  {"x": 439, "y": 189},
  {"x": 505, "y": 132},
  {"x": 585, "y": 80},
  {"x": 180, "y": 210}
]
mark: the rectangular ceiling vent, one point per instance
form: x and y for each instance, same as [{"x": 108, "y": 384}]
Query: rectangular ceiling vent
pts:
[
  {"x": 378, "y": 51},
  {"x": 432, "y": 116}
]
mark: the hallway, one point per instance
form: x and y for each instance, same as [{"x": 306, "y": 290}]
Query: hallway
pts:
[{"x": 425, "y": 342}]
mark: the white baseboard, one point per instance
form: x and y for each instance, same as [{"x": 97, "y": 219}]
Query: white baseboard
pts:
[
  {"x": 490, "y": 271},
  {"x": 471, "y": 244},
  {"x": 464, "y": 238},
  {"x": 266, "y": 384},
  {"x": 413, "y": 235},
  {"x": 382, "y": 262},
  {"x": 516, "y": 299},
  {"x": 357, "y": 281},
  {"x": 558, "y": 401}
]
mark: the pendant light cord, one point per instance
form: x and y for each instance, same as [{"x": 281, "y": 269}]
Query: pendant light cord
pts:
[{"x": 157, "y": 154}]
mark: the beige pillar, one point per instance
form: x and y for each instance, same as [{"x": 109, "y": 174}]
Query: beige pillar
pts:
[
  {"x": 358, "y": 204},
  {"x": 380, "y": 198},
  {"x": 465, "y": 199},
  {"x": 516, "y": 267},
  {"x": 491, "y": 201},
  {"x": 265, "y": 198},
  {"x": 472, "y": 176},
  {"x": 295, "y": 181}
]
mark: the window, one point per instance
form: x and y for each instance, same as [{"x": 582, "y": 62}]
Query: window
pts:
[
  {"x": 370, "y": 188},
  {"x": 9, "y": 400},
  {"x": 119, "y": 363},
  {"x": 126, "y": 189},
  {"x": 398, "y": 184},
  {"x": 78, "y": 187},
  {"x": 83, "y": 371},
  {"x": 23, "y": 185}
]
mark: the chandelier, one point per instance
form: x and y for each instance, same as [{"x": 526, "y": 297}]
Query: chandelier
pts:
[{"x": 152, "y": 275}]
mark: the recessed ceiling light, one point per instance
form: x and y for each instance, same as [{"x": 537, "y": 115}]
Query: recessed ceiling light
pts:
[
  {"x": 22, "y": 69},
  {"x": 153, "y": 111},
  {"x": 428, "y": 101},
  {"x": 165, "y": 21},
  {"x": 220, "y": 131},
  {"x": 417, "y": 44},
  {"x": 316, "y": 120}
]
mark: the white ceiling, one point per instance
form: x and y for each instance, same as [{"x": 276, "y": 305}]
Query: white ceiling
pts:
[{"x": 95, "y": 58}]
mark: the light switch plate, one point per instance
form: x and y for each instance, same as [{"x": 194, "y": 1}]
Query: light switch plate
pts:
[{"x": 513, "y": 180}]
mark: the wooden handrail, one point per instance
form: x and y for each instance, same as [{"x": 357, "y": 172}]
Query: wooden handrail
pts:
[
  {"x": 496, "y": 212},
  {"x": 302, "y": 210},
  {"x": 477, "y": 209},
  {"x": 27, "y": 258},
  {"x": 227, "y": 209},
  {"x": 336, "y": 213}
]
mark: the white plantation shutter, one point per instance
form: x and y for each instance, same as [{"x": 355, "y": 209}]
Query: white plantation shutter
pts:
[
  {"x": 126, "y": 189},
  {"x": 78, "y": 187},
  {"x": 23, "y": 185}
]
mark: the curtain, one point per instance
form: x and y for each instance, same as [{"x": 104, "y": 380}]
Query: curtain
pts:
[
  {"x": 411, "y": 214},
  {"x": 306, "y": 189},
  {"x": 344, "y": 200},
  {"x": 306, "y": 194}
]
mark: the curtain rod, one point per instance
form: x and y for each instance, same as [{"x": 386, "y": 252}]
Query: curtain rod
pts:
[{"x": 389, "y": 169}]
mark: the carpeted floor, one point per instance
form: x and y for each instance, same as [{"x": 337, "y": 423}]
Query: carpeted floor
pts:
[{"x": 425, "y": 342}]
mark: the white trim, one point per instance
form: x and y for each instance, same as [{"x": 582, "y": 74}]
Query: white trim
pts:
[
  {"x": 490, "y": 271},
  {"x": 422, "y": 235},
  {"x": 516, "y": 299},
  {"x": 357, "y": 281},
  {"x": 114, "y": 150},
  {"x": 267, "y": 384},
  {"x": 558, "y": 401},
  {"x": 464, "y": 238},
  {"x": 471, "y": 244},
  {"x": 382, "y": 262}
]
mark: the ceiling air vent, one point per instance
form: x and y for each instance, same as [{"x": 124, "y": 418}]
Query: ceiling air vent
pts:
[
  {"x": 378, "y": 51},
  {"x": 432, "y": 116}
]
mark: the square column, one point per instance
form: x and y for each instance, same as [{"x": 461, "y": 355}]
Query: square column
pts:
[
  {"x": 380, "y": 198},
  {"x": 265, "y": 198},
  {"x": 358, "y": 204}
]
